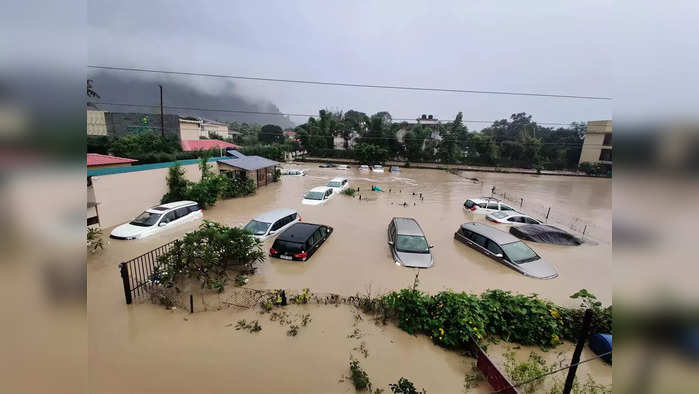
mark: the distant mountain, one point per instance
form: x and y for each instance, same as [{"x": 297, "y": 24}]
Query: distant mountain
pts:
[{"x": 122, "y": 88}]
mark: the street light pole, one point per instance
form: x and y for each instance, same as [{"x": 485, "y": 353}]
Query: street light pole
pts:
[{"x": 162, "y": 117}]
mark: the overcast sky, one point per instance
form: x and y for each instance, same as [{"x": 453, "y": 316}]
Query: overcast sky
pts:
[{"x": 547, "y": 47}]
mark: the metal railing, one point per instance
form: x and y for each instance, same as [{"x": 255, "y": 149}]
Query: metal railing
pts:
[{"x": 135, "y": 273}]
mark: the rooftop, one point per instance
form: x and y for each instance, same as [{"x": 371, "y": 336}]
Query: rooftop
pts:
[
  {"x": 274, "y": 215},
  {"x": 493, "y": 233},
  {"x": 407, "y": 226},
  {"x": 96, "y": 159},
  {"x": 248, "y": 163},
  {"x": 299, "y": 232},
  {"x": 193, "y": 145}
]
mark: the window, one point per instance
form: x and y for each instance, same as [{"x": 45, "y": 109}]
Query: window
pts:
[
  {"x": 494, "y": 248},
  {"x": 605, "y": 155},
  {"x": 181, "y": 212},
  {"x": 516, "y": 219},
  {"x": 519, "y": 252},
  {"x": 256, "y": 228},
  {"x": 279, "y": 224},
  {"x": 607, "y": 139},
  {"x": 146, "y": 219},
  {"x": 193, "y": 208},
  {"x": 466, "y": 233},
  {"x": 478, "y": 239},
  {"x": 531, "y": 221},
  {"x": 170, "y": 216},
  {"x": 412, "y": 244},
  {"x": 492, "y": 205},
  {"x": 504, "y": 207}
]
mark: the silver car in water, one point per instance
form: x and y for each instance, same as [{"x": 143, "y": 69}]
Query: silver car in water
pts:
[
  {"x": 505, "y": 248},
  {"x": 408, "y": 243}
]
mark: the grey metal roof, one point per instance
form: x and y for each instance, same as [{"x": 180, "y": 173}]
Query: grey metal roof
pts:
[
  {"x": 490, "y": 232},
  {"x": 248, "y": 163},
  {"x": 407, "y": 226}
]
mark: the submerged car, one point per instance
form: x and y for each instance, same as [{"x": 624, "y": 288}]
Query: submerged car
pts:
[
  {"x": 300, "y": 241},
  {"x": 157, "y": 219},
  {"x": 505, "y": 248},
  {"x": 270, "y": 223},
  {"x": 364, "y": 167},
  {"x": 486, "y": 205},
  {"x": 511, "y": 217},
  {"x": 338, "y": 184},
  {"x": 317, "y": 195},
  {"x": 327, "y": 165},
  {"x": 293, "y": 172},
  {"x": 395, "y": 169},
  {"x": 408, "y": 243},
  {"x": 342, "y": 167},
  {"x": 377, "y": 168},
  {"x": 545, "y": 233}
]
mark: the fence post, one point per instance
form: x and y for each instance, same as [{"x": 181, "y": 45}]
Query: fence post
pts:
[
  {"x": 124, "y": 269},
  {"x": 585, "y": 229},
  {"x": 191, "y": 303},
  {"x": 582, "y": 336},
  {"x": 547, "y": 214},
  {"x": 521, "y": 202}
]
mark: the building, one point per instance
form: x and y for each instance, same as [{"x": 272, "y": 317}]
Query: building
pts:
[
  {"x": 209, "y": 127},
  {"x": 257, "y": 168},
  {"x": 427, "y": 121},
  {"x": 290, "y": 134},
  {"x": 120, "y": 124},
  {"x": 96, "y": 123},
  {"x": 597, "y": 147},
  {"x": 339, "y": 142},
  {"x": 189, "y": 129}
]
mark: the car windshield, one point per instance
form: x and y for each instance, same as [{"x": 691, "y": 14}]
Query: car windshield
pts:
[
  {"x": 412, "y": 244},
  {"x": 519, "y": 252},
  {"x": 334, "y": 184},
  {"x": 256, "y": 228},
  {"x": 499, "y": 214},
  {"x": 146, "y": 219},
  {"x": 378, "y": 166},
  {"x": 314, "y": 196}
]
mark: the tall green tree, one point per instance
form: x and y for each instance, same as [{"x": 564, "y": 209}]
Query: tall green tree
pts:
[{"x": 271, "y": 134}]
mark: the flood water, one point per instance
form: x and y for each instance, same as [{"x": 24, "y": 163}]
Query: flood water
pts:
[{"x": 144, "y": 348}]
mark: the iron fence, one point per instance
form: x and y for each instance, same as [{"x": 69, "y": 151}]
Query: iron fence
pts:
[{"x": 135, "y": 273}]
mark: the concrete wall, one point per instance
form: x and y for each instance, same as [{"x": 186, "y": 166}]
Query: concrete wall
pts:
[
  {"x": 220, "y": 129},
  {"x": 96, "y": 123},
  {"x": 123, "y": 196}
]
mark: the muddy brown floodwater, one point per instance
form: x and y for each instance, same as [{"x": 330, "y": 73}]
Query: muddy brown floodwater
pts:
[{"x": 143, "y": 348}]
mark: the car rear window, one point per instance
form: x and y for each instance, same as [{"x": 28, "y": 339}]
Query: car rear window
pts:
[
  {"x": 287, "y": 246},
  {"x": 469, "y": 204}
]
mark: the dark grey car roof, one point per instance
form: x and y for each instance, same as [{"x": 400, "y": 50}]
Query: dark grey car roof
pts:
[
  {"x": 407, "y": 226},
  {"x": 492, "y": 233}
]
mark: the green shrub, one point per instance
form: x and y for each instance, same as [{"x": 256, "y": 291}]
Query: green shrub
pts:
[
  {"x": 404, "y": 386},
  {"x": 349, "y": 192},
  {"x": 453, "y": 319},
  {"x": 359, "y": 377},
  {"x": 207, "y": 255}
]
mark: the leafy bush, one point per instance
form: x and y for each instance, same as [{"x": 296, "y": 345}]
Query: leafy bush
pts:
[
  {"x": 272, "y": 152},
  {"x": 525, "y": 371},
  {"x": 207, "y": 255},
  {"x": 453, "y": 319},
  {"x": 177, "y": 185},
  {"x": 94, "y": 239},
  {"x": 594, "y": 169},
  {"x": 237, "y": 187},
  {"x": 359, "y": 377},
  {"x": 404, "y": 386},
  {"x": 349, "y": 192}
]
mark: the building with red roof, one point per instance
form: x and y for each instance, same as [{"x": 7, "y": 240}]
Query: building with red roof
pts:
[
  {"x": 96, "y": 160},
  {"x": 194, "y": 145}
]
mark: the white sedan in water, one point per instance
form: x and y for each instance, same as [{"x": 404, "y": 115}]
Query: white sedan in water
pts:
[
  {"x": 511, "y": 217},
  {"x": 377, "y": 168},
  {"x": 158, "y": 219},
  {"x": 318, "y": 195}
]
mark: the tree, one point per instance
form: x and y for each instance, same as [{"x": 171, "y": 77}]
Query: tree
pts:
[
  {"x": 370, "y": 154},
  {"x": 177, "y": 185},
  {"x": 270, "y": 134}
]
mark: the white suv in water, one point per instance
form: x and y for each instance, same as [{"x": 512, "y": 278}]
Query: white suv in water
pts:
[
  {"x": 486, "y": 205},
  {"x": 158, "y": 219}
]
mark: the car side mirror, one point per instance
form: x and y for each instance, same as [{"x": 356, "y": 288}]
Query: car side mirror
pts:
[
  {"x": 498, "y": 255},
  {"x": 162, "y": 224},
  {"x": 272, "y": 232},
  {"x": 390, "y": 243},
  {"x": 431, "y": 246}
]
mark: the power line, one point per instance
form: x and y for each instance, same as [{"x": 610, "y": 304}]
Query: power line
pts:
[
  {"x": 355, "y": 85},
  {"x": 298, "y": 114}
]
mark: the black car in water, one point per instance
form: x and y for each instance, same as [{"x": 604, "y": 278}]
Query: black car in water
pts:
[{"x": 300, "y": 241}]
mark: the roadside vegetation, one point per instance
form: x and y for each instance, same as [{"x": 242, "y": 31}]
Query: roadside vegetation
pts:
[
  {"x": 209, "y": 189},
  {"x": 349, "y": 191},
  {"x": 146, "y": 147},
  {"x": 211, "y": 255},
  {"x": 94, "y": 239}
]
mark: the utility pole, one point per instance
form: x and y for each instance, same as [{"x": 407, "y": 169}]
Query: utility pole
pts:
[
  {"x": 162, "y": 117},
  {"x": 582, "y": 336}
]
